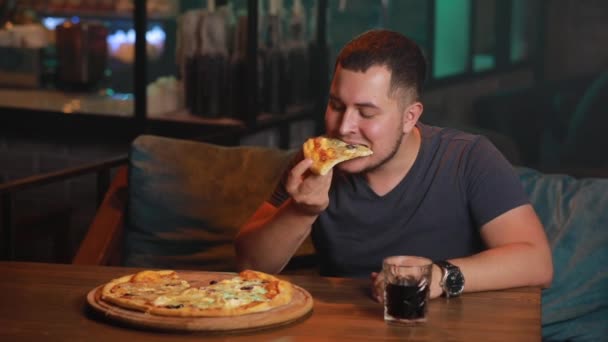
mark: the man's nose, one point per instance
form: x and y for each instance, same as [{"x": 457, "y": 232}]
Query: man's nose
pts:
[{"x": 349, "y": 122}]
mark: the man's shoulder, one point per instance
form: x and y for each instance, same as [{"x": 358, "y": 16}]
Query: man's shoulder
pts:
[{"x": 447, "y": 134}]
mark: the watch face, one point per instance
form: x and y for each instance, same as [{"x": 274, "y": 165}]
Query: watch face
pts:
[{"x": 454, "y": 282}]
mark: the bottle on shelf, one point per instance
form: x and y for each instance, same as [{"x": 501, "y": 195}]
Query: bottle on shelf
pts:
[
  {"x": 274, "y": 95},
  {"x": 81, "y": 54},
  {"x": 212, "y": 66},
  {"x": 187, "y": 43},
  {"x": 238, "y": 92},
  {"x": 203, "y": 57},
  {"x": 298, "y": 68}
]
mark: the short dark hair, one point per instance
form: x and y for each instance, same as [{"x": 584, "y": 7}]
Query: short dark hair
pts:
[{"x": 399, "y": 54}]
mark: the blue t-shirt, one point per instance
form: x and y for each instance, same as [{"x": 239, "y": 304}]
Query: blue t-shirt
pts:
[{"x": 458, "y": 182}]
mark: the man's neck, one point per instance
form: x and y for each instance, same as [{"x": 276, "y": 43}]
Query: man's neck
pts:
[{"x": 388, "y": 176}]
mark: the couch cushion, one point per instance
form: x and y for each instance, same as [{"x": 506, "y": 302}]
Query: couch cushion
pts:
[
  {"x": 187, "y": 200},
  {"x": 575, "y": 215}
]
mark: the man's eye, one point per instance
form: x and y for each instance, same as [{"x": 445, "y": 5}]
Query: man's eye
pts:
[
  {"x": 336, "y": 106},
  {"x": 366, "y": 114}
]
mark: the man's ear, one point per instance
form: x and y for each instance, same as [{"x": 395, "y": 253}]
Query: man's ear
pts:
[{"x": 411, "y": 115}]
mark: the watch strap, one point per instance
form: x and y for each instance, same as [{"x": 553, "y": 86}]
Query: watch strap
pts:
[
  {"x": 446, "y": 265},
  {"x": 448, "y": 268}
]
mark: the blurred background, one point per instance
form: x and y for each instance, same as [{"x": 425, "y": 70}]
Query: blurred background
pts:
[{"x": 79, "y": 79}]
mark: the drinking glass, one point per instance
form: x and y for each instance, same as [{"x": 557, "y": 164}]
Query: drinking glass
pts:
[{"x": 407, "y": 281}]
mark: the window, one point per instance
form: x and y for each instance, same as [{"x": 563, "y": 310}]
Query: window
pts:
[
  {"x": 524, "y": 29},
  {"x": 452, "y": 38},
  {"x": 484, "y": 34},
  {"x": 461, "y": 38}
]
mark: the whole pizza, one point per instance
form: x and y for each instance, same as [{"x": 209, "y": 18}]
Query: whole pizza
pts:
[{"x": 165, "y": 293}]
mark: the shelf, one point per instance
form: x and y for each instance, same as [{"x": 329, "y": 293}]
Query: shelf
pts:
[
  {"x": 122, "y": 106},
  {"x": 107, "y": 15},
  {"x": 54, "y": 112},
  {"x": 61, "y": 115},
  {"x": 65, "y": 102},
  {"x": 296, "y": 112}
]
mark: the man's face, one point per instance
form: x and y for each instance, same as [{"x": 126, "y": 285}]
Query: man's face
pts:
[{"x": 360, "y": 111}]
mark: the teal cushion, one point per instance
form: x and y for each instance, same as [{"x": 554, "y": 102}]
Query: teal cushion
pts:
[
  {"x": 188, "y": 199},
  {"x": 574, "y": 213}
]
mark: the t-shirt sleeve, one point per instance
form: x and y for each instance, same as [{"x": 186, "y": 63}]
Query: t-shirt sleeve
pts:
[
  {"x": 492, "y": 185},
  {"x": 280, "y": 195}
]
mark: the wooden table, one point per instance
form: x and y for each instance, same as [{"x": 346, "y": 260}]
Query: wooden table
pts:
[{"x": 47, "y": 302}]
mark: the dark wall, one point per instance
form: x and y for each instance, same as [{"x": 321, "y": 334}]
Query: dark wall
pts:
[{"x": 576, "y": 40}]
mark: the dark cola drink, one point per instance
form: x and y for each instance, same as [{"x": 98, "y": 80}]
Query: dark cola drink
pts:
[{"x": 406, "y": 302}]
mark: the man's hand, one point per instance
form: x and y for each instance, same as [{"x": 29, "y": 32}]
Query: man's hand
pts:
[
  {"x": 378, "y": 284},
  {"x": 309, "y": 192}
]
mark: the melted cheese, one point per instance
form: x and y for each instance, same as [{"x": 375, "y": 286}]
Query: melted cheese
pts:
[{"x": 230, "y": 293}]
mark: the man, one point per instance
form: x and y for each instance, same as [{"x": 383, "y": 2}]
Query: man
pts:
[{"x": 426, "y": 191}]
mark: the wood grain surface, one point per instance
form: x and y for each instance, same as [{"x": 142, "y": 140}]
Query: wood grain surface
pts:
[
  {"x": 47, "y": 302},
  {"x": 298, "y": 309}
]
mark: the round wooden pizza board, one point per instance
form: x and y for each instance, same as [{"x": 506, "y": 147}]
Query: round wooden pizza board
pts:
[{"x": 299, "y": 308}]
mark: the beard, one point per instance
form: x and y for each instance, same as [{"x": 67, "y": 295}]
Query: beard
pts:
[{"x": 388, "y": 157}]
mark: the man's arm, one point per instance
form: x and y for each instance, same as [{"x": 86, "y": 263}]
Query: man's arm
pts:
[
  {"x": 517, "y": 254},
  {"x": 272, "y": 235}
]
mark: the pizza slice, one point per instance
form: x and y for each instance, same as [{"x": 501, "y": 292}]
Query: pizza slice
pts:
[
  {"x": 326, "y": 153},
  {"x": 137, "y": 291}
]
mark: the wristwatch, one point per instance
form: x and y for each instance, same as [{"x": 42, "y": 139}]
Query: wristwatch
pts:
[{"x": 452, "y": 280}]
